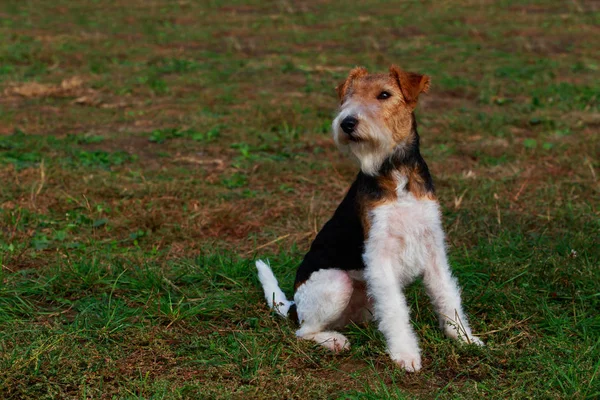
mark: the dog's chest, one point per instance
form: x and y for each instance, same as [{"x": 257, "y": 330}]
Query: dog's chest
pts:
[
  {"x": 406, "y": 220},
  {"x": 406, "y": 215},
  {"x": 407, "y": 229}
]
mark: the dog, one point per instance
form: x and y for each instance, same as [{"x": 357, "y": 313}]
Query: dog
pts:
[{"x": 386, "y": 232}]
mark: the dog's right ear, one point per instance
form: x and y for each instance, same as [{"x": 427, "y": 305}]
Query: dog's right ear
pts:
[
  {"x": 411, "y": 84},
  {"x": 343, "y": 87}
]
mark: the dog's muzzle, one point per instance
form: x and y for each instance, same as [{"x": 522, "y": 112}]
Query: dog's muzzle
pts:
[{"x": 349, "y": 124}]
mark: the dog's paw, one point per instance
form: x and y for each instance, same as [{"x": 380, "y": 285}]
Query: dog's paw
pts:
[
  {"x": 474, "y": 340},
  {"x": 459, "y": 334},
  {"x": 470, "y": 339},
  {"x": 410, "y": 362},
  {"x": 337, "y": 343},
  {"x": 339, "y": 346}
]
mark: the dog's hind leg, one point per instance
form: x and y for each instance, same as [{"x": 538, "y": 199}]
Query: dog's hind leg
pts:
[{"x": 321, "y": 302}]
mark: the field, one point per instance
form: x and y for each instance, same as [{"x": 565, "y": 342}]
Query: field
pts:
[{"x": 151, "y": 150}]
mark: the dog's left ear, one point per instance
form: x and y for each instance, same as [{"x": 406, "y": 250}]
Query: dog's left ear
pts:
[
  {"x": 411, "y": 84},
  {"x": 343, "y": 87}
]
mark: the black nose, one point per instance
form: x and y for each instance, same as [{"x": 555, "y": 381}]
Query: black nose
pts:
[{"x": 348, "y": 124}]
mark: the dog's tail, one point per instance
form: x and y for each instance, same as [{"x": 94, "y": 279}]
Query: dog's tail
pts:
[{"x": 273, "y": 294}]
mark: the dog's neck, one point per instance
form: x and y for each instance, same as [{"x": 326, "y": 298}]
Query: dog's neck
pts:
[{"x": 405, "y": 166}]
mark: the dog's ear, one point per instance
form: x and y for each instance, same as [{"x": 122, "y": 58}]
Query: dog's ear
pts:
[
  {"x": 411, "y": 84},
  {"x": 343, "y": 87}
]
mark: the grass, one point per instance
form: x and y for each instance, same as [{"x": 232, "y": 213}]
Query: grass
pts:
[{"x": 150, "y": 151}]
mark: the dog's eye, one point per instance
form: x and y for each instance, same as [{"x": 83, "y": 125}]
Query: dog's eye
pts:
[{"x": 384, "y": 95}]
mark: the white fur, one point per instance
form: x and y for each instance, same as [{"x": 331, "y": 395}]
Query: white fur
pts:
[
  {"x": 369, "y": 153},
  {"x": 327, "y": 300},
  {"x": 320, "y": 303},
  {"x": 406, "y": 240},
  {"x": 273, "y": 294}
]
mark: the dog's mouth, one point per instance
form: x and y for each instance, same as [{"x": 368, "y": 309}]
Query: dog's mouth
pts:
[{"x": 352, "y": 138}]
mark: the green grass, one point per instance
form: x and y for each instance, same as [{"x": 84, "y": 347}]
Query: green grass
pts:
[{"x": 196, "y": 139}]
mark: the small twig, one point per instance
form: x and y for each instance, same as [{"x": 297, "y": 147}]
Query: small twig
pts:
[
  {"x": 516, "y": 196},
  {"x": 15, "y": 226},
  {"x": 171, "y": 323},
  {"x": 42, "y": 178},
  {"x": 5, "y": 267},
  {"x": 302, "y": 236},
  {"x": 268, "y": 244},
  {"x": 87, "y": 203},
  {"x": 172, "y": 284},
  {"x": 71, "y": 197},
  {"x": 219, "y": 163},
  {"x": 520, "y": 337},
  {"x": 505, "y": 328},
  {"x": 498, "y": 214},
  {"x": 458, "y": 201},
  {"x": 35, "y": 192},
  {"x": 528, "y": 175},
  {"x": 56, "y": 314},
  {"x": 229, "y": 279},
  {"x": 589, "y": 164},
  {"x": 461, "y": 326}
]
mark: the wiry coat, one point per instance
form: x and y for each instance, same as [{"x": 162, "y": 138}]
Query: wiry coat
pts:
[{"x": 386, "y": 231}]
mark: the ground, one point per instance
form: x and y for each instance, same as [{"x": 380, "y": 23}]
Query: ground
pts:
[{"x": 150, "y": 150}]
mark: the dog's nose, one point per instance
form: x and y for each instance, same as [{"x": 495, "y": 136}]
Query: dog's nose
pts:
[{"x": 348, "y": 124}]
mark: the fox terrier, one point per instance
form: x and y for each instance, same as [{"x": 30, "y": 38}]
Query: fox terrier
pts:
[{"x": 385, "y": 233}]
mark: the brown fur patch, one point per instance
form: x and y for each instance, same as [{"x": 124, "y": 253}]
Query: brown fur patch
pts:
[
  {"x": 365, "y": 220},
  {"x": 416, "y": 184},
  {"x": 387, "y": 185},
  {"x": 411, "y": 84},
  {"x": 355, "y": 73},
  {"x": 400, "y": 123},
  {"x": 297, "y": 285}
]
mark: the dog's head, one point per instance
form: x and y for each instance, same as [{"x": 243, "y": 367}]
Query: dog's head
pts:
[{"x": 375, "y": 115}]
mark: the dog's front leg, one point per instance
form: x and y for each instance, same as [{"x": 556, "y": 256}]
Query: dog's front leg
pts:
[
  {"x": 444, "y": 293},
  {"x": 391, "y": 312}
]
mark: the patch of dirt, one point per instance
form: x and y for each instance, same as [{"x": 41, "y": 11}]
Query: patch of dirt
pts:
[
  {"x": 444, "y": 100},
  {"x": 25, "y": 261},
  {"x": 589, "y": 119},
  {"x": 235, "y": 221},
  {"x": 69, "y": 87},
  {"x": 150, "y": 154},
  {"x": 130, "y": 143}
]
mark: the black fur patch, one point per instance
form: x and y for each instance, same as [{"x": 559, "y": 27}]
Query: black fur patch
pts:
[
  {"x": 340, "y": 244},
  {"x": 410, "y": 156},
  {"x": 293, "y": 314}
]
